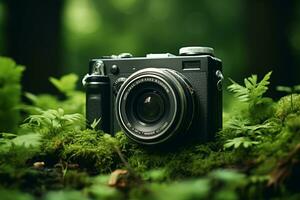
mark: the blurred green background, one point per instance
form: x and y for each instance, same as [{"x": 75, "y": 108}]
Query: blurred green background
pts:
[{"x": 54, "y": 37}]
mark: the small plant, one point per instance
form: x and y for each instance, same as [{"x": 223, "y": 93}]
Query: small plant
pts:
[
  {"x": 246, "y": 135},
  {"x": 95, "y": 123},
  {"x": 246, "y": 130},
  {"x": 10, "y": 93},
  {"x": 253, "y": 91},
  {"x": 66, "y": 84},
  {"x": 54, "y": 121},
  {"x": 259, "y": 108},
  {"x": 72, "y": 102},
  {"x": 238, "y": 142}
]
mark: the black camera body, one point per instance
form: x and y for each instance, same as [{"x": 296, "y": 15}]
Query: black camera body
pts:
[{"x": 159, "y": 98}]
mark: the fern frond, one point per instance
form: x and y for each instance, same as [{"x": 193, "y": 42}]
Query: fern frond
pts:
[
  {"x": 252, "y": 91},
  {"x": 239, "y": 142},
  {"x": 243, "y": 127},
  {"x": 260, "y": 88},
  {"x": 55, "y": 121},
  {"x": 241, "y": 92}
]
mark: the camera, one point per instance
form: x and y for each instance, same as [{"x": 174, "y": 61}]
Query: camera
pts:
[{"x": 157, "y": 99}]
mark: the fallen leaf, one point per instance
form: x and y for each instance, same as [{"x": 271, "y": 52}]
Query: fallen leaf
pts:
[
  {"x": 118, "y": 178},
  {"x": 39, "y": 165}
]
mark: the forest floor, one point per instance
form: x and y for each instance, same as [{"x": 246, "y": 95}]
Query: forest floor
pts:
[{"x": 52, "y": 156}]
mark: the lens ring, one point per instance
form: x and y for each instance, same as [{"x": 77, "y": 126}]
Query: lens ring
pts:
[
  {"x": 126, "y": 106},
  {"x": 178, "y": 112}
]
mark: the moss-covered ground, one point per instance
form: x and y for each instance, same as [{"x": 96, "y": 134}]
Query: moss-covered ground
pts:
[{"x": 52, "y": 156}]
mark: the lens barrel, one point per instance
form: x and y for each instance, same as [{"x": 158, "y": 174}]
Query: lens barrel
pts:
[{"x": 155, "y": 105}]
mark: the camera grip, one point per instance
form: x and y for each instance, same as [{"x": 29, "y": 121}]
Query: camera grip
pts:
[{"x": 98, "y": 104}]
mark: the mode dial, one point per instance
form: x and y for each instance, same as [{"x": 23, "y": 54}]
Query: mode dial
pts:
[{"x": 192, "y": 51}]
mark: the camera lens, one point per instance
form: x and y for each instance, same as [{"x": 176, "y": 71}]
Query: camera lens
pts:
[
  {"x": 155, "y": 105},
  {"x": 150, "y": 107}
]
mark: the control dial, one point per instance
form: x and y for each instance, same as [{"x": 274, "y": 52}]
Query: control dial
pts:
[{"x": 192, "y": 51}]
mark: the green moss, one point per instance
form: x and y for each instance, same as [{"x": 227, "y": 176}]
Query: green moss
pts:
[
  {"x": 96, "y": 150},
  {"x": 292, "y": 122},
  {"x": 287, "y": 105},
  {"x": 88, "y": 148},
  {"x": 196, "y": 160},
  {"x": 91, "y": 148},
  {"x": 277, "y": 147}
]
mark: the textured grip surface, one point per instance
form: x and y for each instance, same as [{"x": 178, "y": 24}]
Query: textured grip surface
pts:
[{"x": 98, "y": 106}]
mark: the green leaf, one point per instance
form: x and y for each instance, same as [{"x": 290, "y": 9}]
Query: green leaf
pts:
[
  {"x": 228, "y": 176},
  {"x": 239, "y": 142},
  {"x": 95, "y": 123},
  {"x": 66, "y": 83},
  {"x": 10, "y": 72},
  {"x": 28, "y": 140},
  {"x": 10, "y": 194},
  {"x": 65, "y": 195},
  {"x": 297, "y": 88},
  {"x": 184, "y": 190},
  {"x": 239, "y": 91},
  {"x": 7, "y": 135},
  {"x": 155, "y": 175},
  {"x": 284, "y": 89},
  {"x": 10, "y": 93}
]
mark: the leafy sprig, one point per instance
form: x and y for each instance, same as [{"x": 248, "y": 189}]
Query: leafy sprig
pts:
[
  {"x": 66, "y": 84},
  {"x": 253, "y": 90},
  {"x": 73, "y": 101},
  {"x": 238, "y": 142},
  {"x": 10, "y": 93},
  {"x": 54, "y": 121},
  {"x": 246, "y": 135}
]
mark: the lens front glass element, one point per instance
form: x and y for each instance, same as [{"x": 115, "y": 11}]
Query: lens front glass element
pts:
[{"x": 150, "y": 107}]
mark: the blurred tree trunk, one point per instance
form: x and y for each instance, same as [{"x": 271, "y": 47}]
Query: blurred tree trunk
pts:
[
  {"x": 267, "y": 30},
  {"x": 33, "y": 39}
]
